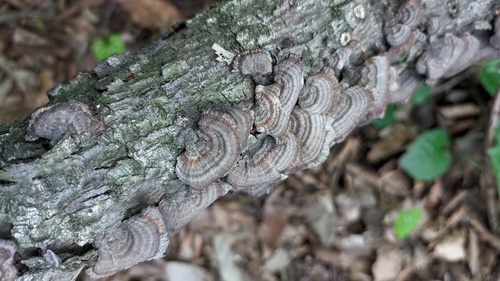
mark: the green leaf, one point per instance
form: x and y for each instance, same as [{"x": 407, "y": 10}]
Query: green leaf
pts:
[
  {"x": 38, "y": 24},
  {"x": 494, "y": 154},
  {"x": 421, "y": 94},
  {"x": 105, "y": 47},
  {"x": 427, "y": 157},
  {"x": 388, "y": 117},
  {"x": 489, "y": 75},
  {"x": 406, "y": 221}
]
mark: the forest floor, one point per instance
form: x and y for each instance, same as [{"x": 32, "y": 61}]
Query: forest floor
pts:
[{"x": 334, "y": 222}]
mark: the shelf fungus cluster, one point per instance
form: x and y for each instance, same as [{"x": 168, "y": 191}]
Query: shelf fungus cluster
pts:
[
  {"x": 145, "y": 236},
  {"x": 453, "y": 55},
  {"x": 401, "y": 31},
  {"x": 295, "y": 120}
]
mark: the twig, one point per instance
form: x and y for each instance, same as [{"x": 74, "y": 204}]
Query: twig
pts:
[
  {"x": 487, "y": 182},
  {"x": 484, "y": 234}
]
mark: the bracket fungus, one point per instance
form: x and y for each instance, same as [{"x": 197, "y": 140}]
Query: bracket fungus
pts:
[
  {"x": 452, "y": 56},
  {"x": 140, "y": 238},
  {"x": 51, "y": 258},
  {"x": 269, "y": 115},
  {"x": 286, "y": 154},
  {"x": 254, "y": 62},
  {"x": 216, "y": 150},
  {"x": 354, "y": 103},
  {"x": 401, "y": 37},
  {"x": 311, "y": 132},
  {"x": 320, "y": 94},
  {"x": 406, "y": 83},
  {"x": 177, "y": 213},
  {"x": 257, "y": 169},
  {"x": 376, "y": 77},
  {"x": 400, "y": 32},
  {"x": 340, "y": 58},
  {"x": 54, "y": 121},
  {"x": 289, "y": 74},
  {"x": 8, "y": 271},
  {"x": 411, "y": 13}
]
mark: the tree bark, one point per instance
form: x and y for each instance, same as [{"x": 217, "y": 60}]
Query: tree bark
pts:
[{"x": 62, "y": 197}]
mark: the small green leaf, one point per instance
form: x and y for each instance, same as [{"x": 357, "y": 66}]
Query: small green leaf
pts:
[
  {"x": 489, "y": 75},
  {"x": 388, "y": 117},
  {"x": 427, "y": 157},
  {"x": 494, "y": 154},
  {"x": 490, "y": 81},
  {"x": 105, "y": 47},
  {"x": 421, "y": 94},
  {"x": 38, "y": 23},
  {"x": 406, "y": 221}
]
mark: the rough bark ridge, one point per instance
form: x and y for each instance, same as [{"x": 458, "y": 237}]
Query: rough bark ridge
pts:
[{"x": 62, "y": 198}]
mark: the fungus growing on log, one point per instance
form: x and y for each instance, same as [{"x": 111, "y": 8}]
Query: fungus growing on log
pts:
[
  {"x": 354, "y": 103},
  {"x": 453, "y": 56},
  {"x": 340, "y": 58},
  {"x": 311, "y": 132},
  {"x": 51, "y": 258},
  {"x": 289, "y": 74},
  {"x": 254, "y": 62},
  {"x": 286, "y": 155},
  {"x": 269, "y": 115},
  {"x": 53, "y": 122},
  {"x": 140, "y": 238},
  {"x": 216, "y": 150},
  {"x": 320, "y": 94},
  {"x": 401, "y": 37},
  {"x": 400, "y": 31},
  {"x": 467, "y": 57},
  {"x": 8, "y": 271},
  {"x": 411, "y": 13},
  {"x": 176, "y": 213},
  {"x": 257, "y": 169},
  {"x": 406, "y": 83},
  {"x": 376, "y": 76},
  {"x": 438, "y": 60}
]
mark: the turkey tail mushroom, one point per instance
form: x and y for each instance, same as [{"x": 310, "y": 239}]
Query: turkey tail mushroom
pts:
[
  {"x": 354, "y": 103},
  {"x": 140, "y": 238},
  {"x": 253, "y": 62},
  {"x": 188, "y": 203},
  {"x": 8, "y": 271},
  {"x": 269, "y": 115},
  {"x": 289, "y": 74},
  {"x": 320, "y": 93},
  {"x": 311, "y": 133},
  {"x": 257, "y": 169},
  {"x": 217, "y": 149},
  {"x": 55, "y": 121}
]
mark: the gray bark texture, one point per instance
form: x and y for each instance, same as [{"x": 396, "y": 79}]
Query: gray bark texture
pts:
[{"x": 61, "y": 196}]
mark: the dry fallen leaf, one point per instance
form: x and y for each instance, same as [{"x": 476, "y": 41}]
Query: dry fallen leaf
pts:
[
  {"x": 181, "y": 271},
  {"x": 451, "y": 248},
  {"x": 152, "y": 13},
  {"x": 388, "y": 264}
]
